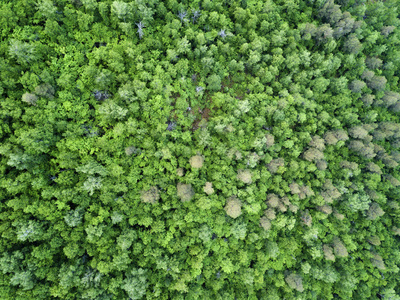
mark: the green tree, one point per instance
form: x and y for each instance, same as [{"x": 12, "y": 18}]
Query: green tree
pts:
[
  {"x": 214, "y": 82},
  {"x": 352, "y": 44},
  {"x": 24, "y": 53},
  {"x": 136, "y": 284},
  {"x": 46, "y": 8}
]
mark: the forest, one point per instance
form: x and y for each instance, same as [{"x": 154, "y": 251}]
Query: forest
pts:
[{"x": 202, "y": 149}]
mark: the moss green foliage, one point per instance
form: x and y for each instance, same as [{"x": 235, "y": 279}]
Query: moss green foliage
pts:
[{"x": 241, "y": 149}]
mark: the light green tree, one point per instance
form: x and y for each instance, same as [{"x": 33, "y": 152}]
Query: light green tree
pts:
[{"x": 136, "y": 283}]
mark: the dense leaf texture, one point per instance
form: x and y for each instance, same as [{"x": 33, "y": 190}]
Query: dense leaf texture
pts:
[{"x": 199, "y": 149}]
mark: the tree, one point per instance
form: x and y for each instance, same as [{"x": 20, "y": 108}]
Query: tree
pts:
[
  {"x": 273, "y": 165},
  {"x": 330, "y": 138},
  {"x": 244, "y": 176},
  {"x": 328, "y": 252},
  {"x": 46, "y": 8},
  {"x": 272, "y": 200},
  {"x": 182, "y": 16},
  {"x": 238, "y": 230},
  {"x": 377, "y": 261},
  {"x": 29, "y": 231},
  {"x": 326, "y": 209},
  {"x": 29, "y": 98},
  {"x": 373, "y": 63},
  {"x": 25, "y": 279},
  {"x": 368, "y": 99},
  {"x": 374, "y": 168},
  {"x": 270, "y": 214},
  {"x": 136, "y": 283},
  {"x": 375, "y": 211},
  {"x": 318, "y": 143},
  {"x": 183, "y": 45},
  {"x": 358, "y": 202},
  {"x": 352, "y": 44},
  {"x": 295, "y": 281},
  {"x": 392, "y": 180},
  {"x": 196, "y": 161},
  {"x": 150, "y": 196},
  {"x": 45, "y": 90},
  {"x": 308, "y": 31},
  {"x": 111, "y": 111},
  {"x": 377, "y": 83},
  {"x": 390, "y": 98},
  {"x": 367, "y": 75},
  {"x": 74, "y": 217},
  {"x": 92, "y": 184},
  {"x": 265, "y": 223},
  {"x": 208, "y": 189},
  {"x": 185, "y": 191},
  {"x": 24, "y": 53},
  {"x": 121, "y": 10},
  {"x": 313, "y": 154},
  {"x": 386, "y": 30},
  {"x": 356, "y": 86},
  {"x": 269, "y": 140},
  {"x": 330, "y": 12},
  {"x": 339, "y": 248},
  {"x": 306, "y": 218},
  {"x": 140, "y": 29},
  {"x": 90, "y": 5},
  {"x": 196, "y": 15},
  {"x": 358, "y": 132},
  {"x": 323, "y": 33},
  {"x": 233, "y": 207},
  {"x": 365, "y": 150},
  {"x": 91, "y": 168},
  {"x": 214, "y": 82}
]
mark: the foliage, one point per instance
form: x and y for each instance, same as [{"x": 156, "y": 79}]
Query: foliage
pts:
[{"x": 199, "y": 149}]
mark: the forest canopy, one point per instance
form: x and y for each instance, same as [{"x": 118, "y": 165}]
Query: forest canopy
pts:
[{"x": 224, "y": 149}]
